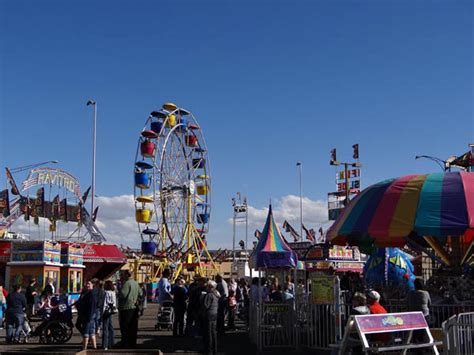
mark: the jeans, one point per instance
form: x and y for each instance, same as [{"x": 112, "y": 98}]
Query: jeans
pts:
[
  {"x": 108, "y": 335},
  {"x": 210, "y": 337},
  {"x": 14, "y": 325}
]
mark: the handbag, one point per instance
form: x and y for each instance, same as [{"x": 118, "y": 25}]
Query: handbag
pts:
[{"x": 111, "y": 309}]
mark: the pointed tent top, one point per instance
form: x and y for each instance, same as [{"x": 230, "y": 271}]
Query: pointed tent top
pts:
[{"x": 272, "y": 251}]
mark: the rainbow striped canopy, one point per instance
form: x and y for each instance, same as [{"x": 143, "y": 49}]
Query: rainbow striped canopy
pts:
[
  {"x": 436, "y": 205},
  {"x": 272, "y": 251}
]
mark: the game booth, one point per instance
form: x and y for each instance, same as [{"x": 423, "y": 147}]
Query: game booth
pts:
[
  {"x": 72, "y": 270},
  {"x": 33, "y": 259}
]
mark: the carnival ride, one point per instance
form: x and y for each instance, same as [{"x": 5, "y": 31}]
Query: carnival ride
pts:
[
  {"x": 58, "y": 199},
  {"x": 59, "y": 238},
  {"x": 172, "y": 192},
  {"x": 431, "y": 214}
]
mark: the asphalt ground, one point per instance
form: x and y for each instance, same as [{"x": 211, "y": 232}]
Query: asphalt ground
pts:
[{"x": 233, "y": 342}]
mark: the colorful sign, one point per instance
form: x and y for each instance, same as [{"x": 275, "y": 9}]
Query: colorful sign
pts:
[
  {"x": 36, "y": 251},
  {"x": 338, "y": 252},
  {"x": 322, "y": 289},
  {"x": 48, "y": 176},
  {"x": 380, "y": 323}
]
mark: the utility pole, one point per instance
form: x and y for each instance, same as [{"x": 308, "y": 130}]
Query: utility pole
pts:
[
  {"x": 300, "y": 165},
  {"x": 240, "y": 215},
  {"x": 344, "y": 190},
  {"x": 94, "y": 120}
]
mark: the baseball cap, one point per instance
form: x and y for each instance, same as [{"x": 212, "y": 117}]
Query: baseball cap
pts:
[{"x": 374, "y": 295}]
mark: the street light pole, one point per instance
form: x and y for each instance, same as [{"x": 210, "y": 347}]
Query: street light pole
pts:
[
  {"x": 31, "y": 166},
  {"x": 94, "y": 120},
  {"x": 442, "y": 163},
  {"x": 300, "y": 165}
]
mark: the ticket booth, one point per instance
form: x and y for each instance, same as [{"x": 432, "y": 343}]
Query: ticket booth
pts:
[
  {"x": 34, "y": 259},
  {"x": 72, "y": 270}
]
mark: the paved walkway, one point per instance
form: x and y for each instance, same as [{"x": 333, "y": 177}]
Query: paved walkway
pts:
[{"x": 236, "y": 342}]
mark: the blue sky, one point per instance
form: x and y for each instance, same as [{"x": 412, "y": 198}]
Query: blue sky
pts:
[{"x": 270, "y": 82}]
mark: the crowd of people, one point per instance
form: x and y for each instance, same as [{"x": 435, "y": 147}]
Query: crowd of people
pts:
[{"x": 203, "y": 307}]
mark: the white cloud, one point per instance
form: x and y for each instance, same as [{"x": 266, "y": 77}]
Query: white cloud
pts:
[{"x": 116, "y": 219}]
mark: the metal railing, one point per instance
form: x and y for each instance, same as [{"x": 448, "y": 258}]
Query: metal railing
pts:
[
  {"x": 438, "y": 312},
  {"x": 458, "y": 333}
]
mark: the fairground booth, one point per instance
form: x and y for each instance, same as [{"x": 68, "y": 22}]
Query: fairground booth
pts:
[
  {"x": 33, "y": 259},
  {"x": 72, "y": 270},
  {"x": 275, "y": 258}
]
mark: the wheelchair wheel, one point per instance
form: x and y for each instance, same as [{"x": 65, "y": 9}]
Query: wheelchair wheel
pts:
[{"x": 55, "y": 333}]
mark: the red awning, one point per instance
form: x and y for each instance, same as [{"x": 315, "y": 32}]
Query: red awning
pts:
[{"x": 103, "y": 253}]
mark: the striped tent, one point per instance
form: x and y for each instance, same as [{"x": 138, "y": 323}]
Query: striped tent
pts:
[
  {"x": 272, "y": 251},
  {"x": 432, "y": 206}
]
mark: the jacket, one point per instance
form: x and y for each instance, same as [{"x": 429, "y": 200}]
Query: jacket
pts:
[{"x": 128, "y": 295}]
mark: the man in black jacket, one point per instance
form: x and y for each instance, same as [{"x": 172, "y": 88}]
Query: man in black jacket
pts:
[{"x": 16, "y": 304}]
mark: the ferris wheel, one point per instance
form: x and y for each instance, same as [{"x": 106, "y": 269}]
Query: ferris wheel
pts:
[{"x": 172, "y": 186}]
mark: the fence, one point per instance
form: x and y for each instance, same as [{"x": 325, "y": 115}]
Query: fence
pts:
[
  {"x": 438, "y": 312},
  {"x": 282, "y": 325},
  {"x": 459, "y": 334},
  {"x": 325, "y": 325},
  {"x": 272, "y": 325}
]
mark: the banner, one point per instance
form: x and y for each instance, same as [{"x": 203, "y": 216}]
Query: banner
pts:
[
  {"x": 289, "y": 229},
  {"x": 4, "y": 203},
  {"x": 12, "y": 182},
  {"x": 39, "y": 202},
  {"x": 55, "y": 208},
  {"x": 25, "y": 208},
  {"x": 63, "y": 210}
]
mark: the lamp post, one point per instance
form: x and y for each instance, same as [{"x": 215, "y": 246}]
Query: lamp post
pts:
[
  {"x": 300, "y": 165},
  {"x": 443, "y": 164},
  {"x": 240, "y": 215},
  {"x": 94, "y": 120}
]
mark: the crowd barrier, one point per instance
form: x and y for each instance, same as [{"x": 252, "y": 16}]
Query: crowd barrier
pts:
[
  {"x": 458, "y": 333},
  {"x": 316, "y": 326},
  {"x": 438, "y": 312}
]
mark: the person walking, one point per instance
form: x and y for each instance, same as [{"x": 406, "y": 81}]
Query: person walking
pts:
[
  {"x": 30, "y": 294},
  {"x": 419, "y": 300},
  {"x": 164, "y": 288},
  {"x": 87, "y": 306},
  {"x": 232, "y": 309},
  {"x": 210, "y": 304},
  {"x": 110, "y": 308},
  {"x": 223, "y": 290},
  {"x": 193, "y": 318},
  {"x": 128, "y": 309},
  {"x": 99, "y": 295},
  {"x": 15, "y": 314},
  {"x": 180, "y": 294},
  {"x": 143, "y": 298}
]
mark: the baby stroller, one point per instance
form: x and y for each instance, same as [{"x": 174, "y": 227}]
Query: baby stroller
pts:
[{"x": 165, "y": 318}]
